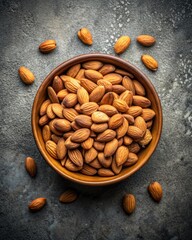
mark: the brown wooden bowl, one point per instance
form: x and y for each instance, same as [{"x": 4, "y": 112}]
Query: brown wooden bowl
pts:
[{"x": 144, "y": 155}]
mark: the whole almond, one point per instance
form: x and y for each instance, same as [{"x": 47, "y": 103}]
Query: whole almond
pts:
[
  {"x": 127, "y": 96},
  {"x": 62, "y": 125},
  {"x": 90, "y": 155},
  {"x": 135, "y": 111},
  {"x": 80, "y": 74},
  {"x": 94, "y": 65},
  {"x": 44, "y": 106},
  {"x": 89, "y": 108},
  {"x": 110, "y": 147},
  {"x": 51, "y": 148},
  {"x": 146, "y": 139},
  {"x": 97, "y": 94},
  {"x": 46, "y": 133},
  {"x": 122, "y": 44},
  {"x": 82, "y": 95},
  {"x": 72, "y": 86},
  {"x": 52, "y": 95},
  {"x": 134, "y": 147},
  {"x": 140, "y": 123},
  {"x": 107, "y": 85},
  {"x": 98, "y": 128},
  {"x": 99, "y": 146},
  {"x": 121, "y": 155},
  {"x": 107, "y": 68},
  {"x": 70, "y": 100},
  {"x": 105, "y": 161},
  {"x": 47, "y": 46},
  {"x": 115, "y": 121},
  {"x": 113, "y": 78},
  {"x": 61, "y": 149},
  {"x": 106, "y": 136},
  {"x": 62, "y": 94},
  {"x": 99, "y": 117},
  {"x": 87, "y": 144},
  {"x": 129, "y": 203},
  {"x": 108, "y": 99},
  {"x": 43, "y": 120},
  {"x": 85, "y": 36},
  {"x": 122, "y": 130},
  {"x": 71, "y": 145},
  {"x": 155, "y": 190},
  {"x": 30, "y": 166},
  {"x": 37, "y": 204},
  {"x": 75, "y": 126},
  {"x": 88, "y": 170},
  {"x": 83, "y": 121},
  {"x": 72, "y": 71},
  {"x": 128, "y": 84},
  {"x": 146, "y": 40},
  {"x": 26, "y": 75},
  {"x": 88, "y": 85},
  {"x": 95, "y": 164},
  {"x": 149, "y": 62},
  {"x": 141, "y": 101},
  {"x": 120, "y": 105},
  {"x": 57, "y": 110},
  {"x": 67, "y": 134},
  {"x": 132, "y": 159},
  {"x": 76, "y": 157},
  {"x": 68, "y": 196},
  {"x": 70, "y": 114},
  {"x": 116, "y": 169},
  {"x": 55, "y": 138},
  {"x": 69, "y": 165},
  {"x": 50, "y": 112},
  {"x": 93, "y": 75},
  {"x": 129, "y": 118},
  {"x": 104, "y": 172},
  {"x": 147, "y": 114},
  {"x": 139, "y": 89},
  {"x": 127, "y": 140},
  {"x": 118, "y": 88},
  {"x": 135, "y": 132},
  {"x": 108, "y": 109},
  {"x": 80, "y": 135},
  {"x": 57, "y": 84}
]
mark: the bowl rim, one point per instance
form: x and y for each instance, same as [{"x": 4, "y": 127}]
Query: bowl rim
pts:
[{"x": 97, "y": 57}]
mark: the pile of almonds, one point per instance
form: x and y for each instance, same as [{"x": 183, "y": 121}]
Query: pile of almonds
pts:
[{"x": 96, "y": 119}]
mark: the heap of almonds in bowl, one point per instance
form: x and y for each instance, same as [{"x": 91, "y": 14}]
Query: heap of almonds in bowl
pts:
[{"x": 96, "y": 119}]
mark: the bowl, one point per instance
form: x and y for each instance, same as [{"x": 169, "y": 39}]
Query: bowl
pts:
[{"x": 144, "y": 155}]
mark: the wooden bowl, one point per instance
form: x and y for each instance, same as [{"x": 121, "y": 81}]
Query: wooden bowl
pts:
[{"x": 144, "y": 155}]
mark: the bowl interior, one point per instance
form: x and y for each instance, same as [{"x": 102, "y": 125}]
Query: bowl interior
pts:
[{"x": 144, "y": 155}]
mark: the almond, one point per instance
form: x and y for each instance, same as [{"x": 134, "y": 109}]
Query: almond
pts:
[
  {"x": 93, "y": 75},
  {"x": 98, "y": 128},
  {"x": 120, "y": 142},
  {"x": 106, "y": 136},
  {"x": 139, "y": 89},
  {"x": 135, "y": 132},
  {"x": 83, "y": 121},
  {"x": 94, "y": 65},
  {"x": 134, "y": 147},
  {"x": 140, "y": 123},
  {"x": 57, "y": 109},
  {"x": 37, "y": 204},
  {"x": 122, "y": 44},
  {"x": 26, "y": 75},
  {"x": 116, "y": 169},
  {"x": 132, "y": 159},
  {"x": 113, "y": 78},
  {"x": 99, "y": 117},
  {"x": 80, "y": 135},
  {"x": 82, "y": 95},
  {"x": 87, "y": 144},
  {"x": 78, "y": 108},
  {"x": 107, "y": 68},
  {"x": 88, "y": 170},
  {"x": 121, "y": 155},
  {"x": 71, "y": 145},
  {"x": 43, "y": 120},
  {"x": 63, "y": 161},
  {"x": 141, "y": 101},
  {"x": 70, "y": 114},
  {"x": 127, "y": 96},
  {"x": 68, "y": 196},
  {"x": 105, "y": 161},
  {"x": 108, "y": 99},
  {"x": 149, "y": 124},
  {"x": 47, "y": 46},
  {"x": 76, "y": 157},
  {"x": 46, "y": 133},
  {"x": 146, "y": 139},
  {"x": 50, "y": 112},
  {"x": 127, "y": 140},
  {"x": 146, "y": 40},
  {"x": 62, "y": 94},
  {"x": 51, "y": 148},
  {"x": 122, "y": 130},
  {"x": 149, "y": 62},
  {"x": 75, "y": 126},
  {"x": 72, "y": 71},
  {"x": 71, "y": 166},
  {"x": 129, "y": 118},
  {"x": 129, "y": 203},
  {"x": 120, "y": 105},
  {"x": 135, "y": 111},
  {"x": 97, "y": 94},
  {"x": 89, "y": 108},
  {"x": 66, "y": 78},
  {"x": 95, "y": 164},
  {"x": 90, "y": 155},
  {"x": 103, "y": 172},
  {"x": 123, "y": 72},
  {"x": 116, "y": 121},
  {"x": 88, "y": 85},
  {"x": 147, "y": 114},
  {"x": 72, "y": 86},
  {"x": 55, "y": 138},
  {"x": 128, "y": 84},
  {"x": 80, "y": 74},
  {"x": 156, "y": 191},
  {"x": 99, "y": 146},
  {"x": 44, "y": 106},
  {"x": 57, "y": 84},
  {"x": 67, "y": 134},
  {"x": 62, "y": 125},
  {"x": 85, "y": 36},
  {"x": 108, "y": 109},
  {"x": 53, "y": 129},
  {"x": 52, "y": 95},
  {"x": 61, "y": 149},
  {"x": 30, "y": 166},
  {"x": 70, "y": 100},
  {"x": 118, "y": 89},
  {"x": 110, "y": 147},
  {"x": 106, "y": 84}
]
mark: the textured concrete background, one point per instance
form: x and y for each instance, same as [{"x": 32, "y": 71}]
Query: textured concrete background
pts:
[{"x": 97, "y": 214}]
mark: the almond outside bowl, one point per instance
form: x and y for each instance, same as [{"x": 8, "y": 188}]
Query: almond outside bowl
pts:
[{"x": 144, "y": 155}]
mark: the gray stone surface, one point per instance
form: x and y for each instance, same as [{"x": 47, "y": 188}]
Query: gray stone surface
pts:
[{"x": 97, "y": 214}]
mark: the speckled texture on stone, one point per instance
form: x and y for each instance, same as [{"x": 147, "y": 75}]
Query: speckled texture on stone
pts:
[{"x": 97, "y": 214}]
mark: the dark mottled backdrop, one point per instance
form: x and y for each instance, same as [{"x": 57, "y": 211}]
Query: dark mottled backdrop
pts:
[{"x": 97, "y": 214}]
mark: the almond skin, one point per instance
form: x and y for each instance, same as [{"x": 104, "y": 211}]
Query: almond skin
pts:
[
  {"x": 82, "y": 95},
  {"x": 140, "y": 123},
  {"x": 115, "y": 121},
  {"x": 46, "y": 133},
  {"x": 149, "y": 62},
  {"x": 99, "y": 117},
  {"x": 37, "y": 204},
  {"x": 107, "y": 68},
  {"x": 122, "y": 130},
  {"x": 30, "y": 166},
  {"x": 141, "y": 101},
  {"x": 135, "y": 132},
  {"x": 83, "y": 121},
  {"x": 51, "y": 148},
  {"x": 68, "y": 196},
  {"x": 121, "y": 155},
  {"x": 120, "y": 105},
  {"x": 26, "y": 75},
  {"x": 110, "y": 147},
  {"x": 146, "y": 40},
  {"x": 93, "y": 75},
  {"x": 156, "y": 191},
  {"x": 129, "y": 203},
  {"x": 85, "y": 36},
  {"x": 57, "y": 84},
  {"x": 103, "y": 172},
  {"x": 106, "y": 136},
  {"x": 113, "y": 78},
  {"x": 89, "y": 108},
  {"x": 61, "y": 149},
  {"x": 47, "y": 46},
  {"x": 147, "y": 114},
  {"x": 139, "y": 89},
  {"x": 108, "y": 109},
  {"x": 99, "y": 127},
  {"x": 76, "y": 157},
  {"x": 97, "y": 94},
  {"x": 80, "y": 135},
  {"x": 90, "y": 155},
  {"x": 122, "y": 44}
]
